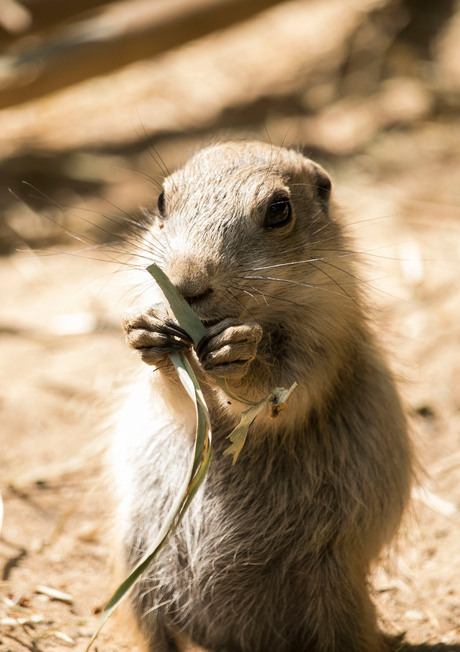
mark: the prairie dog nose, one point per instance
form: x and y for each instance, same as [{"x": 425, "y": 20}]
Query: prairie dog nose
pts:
[{"x": 191, "y": 278}]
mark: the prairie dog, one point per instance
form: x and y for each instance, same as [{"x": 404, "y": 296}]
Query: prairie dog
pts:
[{"x": 275, "y": 551}]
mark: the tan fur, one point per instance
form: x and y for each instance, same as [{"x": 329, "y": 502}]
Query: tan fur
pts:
[{"x": 275, "y": 552}]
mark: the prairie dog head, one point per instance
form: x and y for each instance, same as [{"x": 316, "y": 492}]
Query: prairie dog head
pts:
[{"x": 245, "y": 230}]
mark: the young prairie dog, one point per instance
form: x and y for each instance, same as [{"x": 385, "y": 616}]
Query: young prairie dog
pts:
[{"x": 274, "y": 551}]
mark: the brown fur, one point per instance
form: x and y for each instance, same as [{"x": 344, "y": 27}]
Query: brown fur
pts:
[{"x": 275, "y": 551}]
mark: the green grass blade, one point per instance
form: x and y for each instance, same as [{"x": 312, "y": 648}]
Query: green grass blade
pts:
[
  {"x": 188, "y": 319},
  {"x": 195, "y": 476}
]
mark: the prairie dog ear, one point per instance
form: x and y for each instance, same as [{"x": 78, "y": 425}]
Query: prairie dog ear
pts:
[{"x": 323, "y": 184}]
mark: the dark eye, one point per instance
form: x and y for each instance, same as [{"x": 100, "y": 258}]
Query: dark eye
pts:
[
  {"x": 161, "y": 205},
  {"x": 278, "y": 213}
]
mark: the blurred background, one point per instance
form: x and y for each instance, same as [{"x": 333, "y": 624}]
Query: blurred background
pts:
[
  {"x": 98, "y": 100},
  {"x": 87, "y": 87}
]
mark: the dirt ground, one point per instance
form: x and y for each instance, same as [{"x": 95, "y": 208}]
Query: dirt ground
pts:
[{"x": 64, "y": 361}]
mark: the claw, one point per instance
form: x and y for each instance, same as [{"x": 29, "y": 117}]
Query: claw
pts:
[
  {"x": 171, "y": 328},
  {"x": 201, "y": 345},
  {"x": 228, "y": 348}
]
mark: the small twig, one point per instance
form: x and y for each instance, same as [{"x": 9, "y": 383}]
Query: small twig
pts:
[
  {"x": 434, "y": 502},
  {"x": 30, "y": 646},
  {"x": 12, "y": 563},
  {"x": 22, "y": 621},
  {"x": 55, "y": 594}
]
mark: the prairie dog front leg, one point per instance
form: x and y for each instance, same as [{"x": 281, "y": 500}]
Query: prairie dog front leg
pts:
[
  {"x": 229, "y": 347},
  {"x": 154, "y": 335}
]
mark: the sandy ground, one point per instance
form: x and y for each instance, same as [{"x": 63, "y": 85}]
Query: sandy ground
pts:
[{"x": 64, "y": 360}]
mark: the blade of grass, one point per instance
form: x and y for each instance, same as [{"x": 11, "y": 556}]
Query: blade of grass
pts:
[
  {"x": 188, "y": 319},
  {"x": 195, "y": 476}
]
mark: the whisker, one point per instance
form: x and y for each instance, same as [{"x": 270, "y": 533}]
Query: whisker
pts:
[
  {"x": 73, "y": 234},
  {"x": 241, "y": 287},
  {"x": 373, "y": 287},
  {"x": 238, "y": 301},
  {"x": 336, "y": 282},
  {"x": 264, "y": 294},
  {"x": 154, "y": 153},
  {"x": 136, "y": 297},
  {"x": 158, "y": 186},
  {"x": 294, "y": 262},
  {"x": 313, "y": 286}
]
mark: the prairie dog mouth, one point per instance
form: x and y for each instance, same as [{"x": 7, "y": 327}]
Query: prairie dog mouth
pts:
[{"x": 207, "y": 323}]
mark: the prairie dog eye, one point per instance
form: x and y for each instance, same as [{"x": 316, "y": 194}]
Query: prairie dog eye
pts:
[
  {"x": 161, "y": 204},
  {"x": 279, "y": 212}
]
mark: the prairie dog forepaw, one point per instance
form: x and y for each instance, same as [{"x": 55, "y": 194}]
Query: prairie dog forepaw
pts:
[
  {"x": 229, "y": 347},
  {"x": 154, "y": 335}
]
